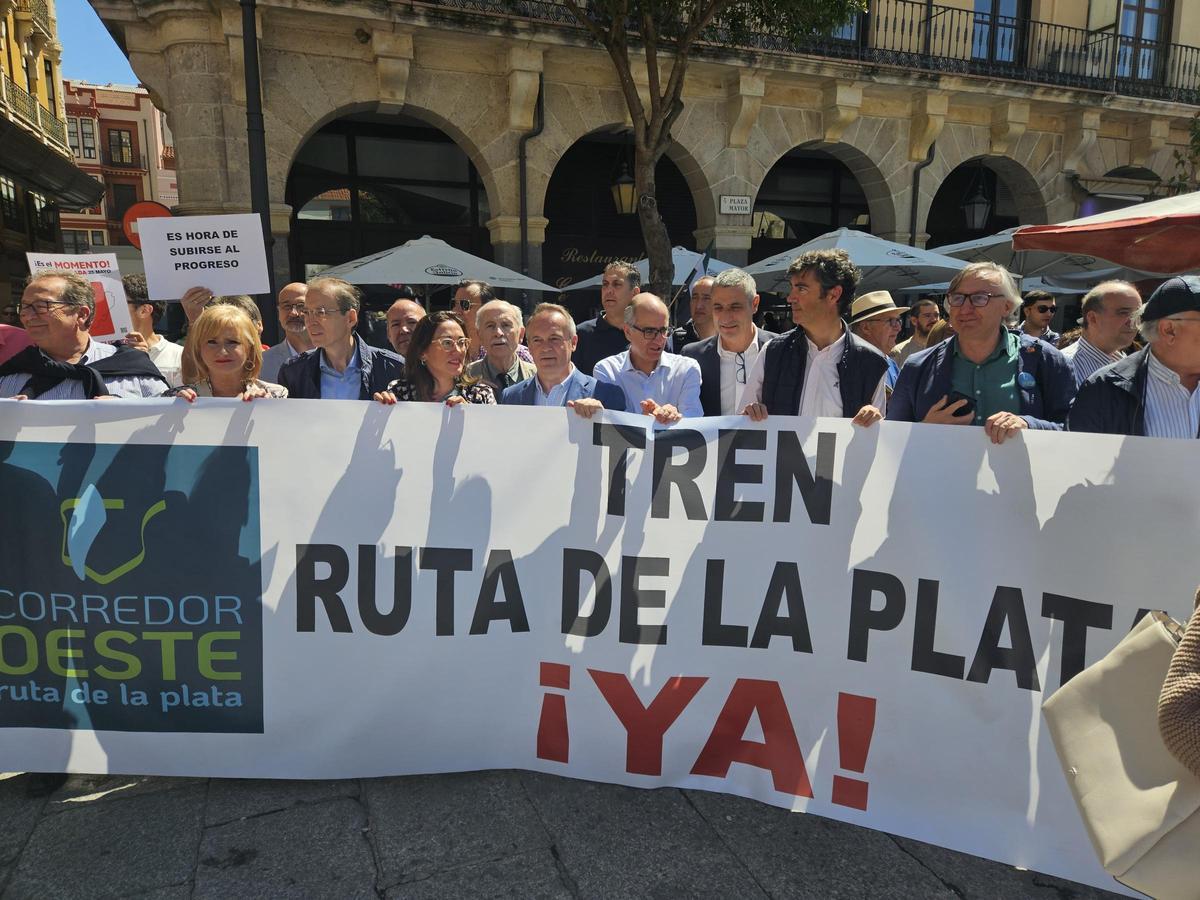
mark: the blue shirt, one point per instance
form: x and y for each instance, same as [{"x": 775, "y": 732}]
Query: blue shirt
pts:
[
  {"x": 558, "y": 393},
  {"x": 675, "y": 380},
  {"x": 337, "y": 385}
]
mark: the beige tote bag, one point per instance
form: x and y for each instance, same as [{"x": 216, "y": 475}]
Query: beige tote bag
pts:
[{"x": 1140, "y": 806}]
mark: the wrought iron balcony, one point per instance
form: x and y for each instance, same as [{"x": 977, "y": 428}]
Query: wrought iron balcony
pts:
[
  {"x": 39, "y": 10},
  {"x": 20, "y": 101},
  {"x": 123, "y": 160}
]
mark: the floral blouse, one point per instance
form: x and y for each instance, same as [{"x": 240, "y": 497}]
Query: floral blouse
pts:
[{"x": 472, "y": 393}]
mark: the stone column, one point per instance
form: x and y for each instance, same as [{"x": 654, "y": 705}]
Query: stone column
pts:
[
  {"x": 506, "y": 247},
  {"x": 731, "y": 243}
]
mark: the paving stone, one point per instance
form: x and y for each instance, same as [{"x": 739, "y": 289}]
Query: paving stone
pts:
[
  {"x": 103, "y": 788},
  {"x": 806, "y": 856},
  {"x": 307, "y": 851},
  {"x": 19, "y": 811},
  {"x": 173, "y": 892},
  {"x": 97, "y": 850},
  {"x": 976, "y": 877},
  {"x": 531, "y": 876},
  {"x": 626, "y": 842},
  {"x": 423, "y": 825},
  {"x": 236, "y": 798}
]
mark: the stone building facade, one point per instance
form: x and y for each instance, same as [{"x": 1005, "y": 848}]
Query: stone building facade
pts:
[{"x": 1057, "y": 104}]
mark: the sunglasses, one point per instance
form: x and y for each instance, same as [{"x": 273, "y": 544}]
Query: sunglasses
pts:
[
  {"x": 1043, "y": 308},
  {"x": 464, "y": 305}
]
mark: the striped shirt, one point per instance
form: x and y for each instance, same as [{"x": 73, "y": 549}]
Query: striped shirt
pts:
[
  {"x": 1086, "y": 359},
  {"x": 71, "y": 389},
  {"x": 1171, "y": 410}
]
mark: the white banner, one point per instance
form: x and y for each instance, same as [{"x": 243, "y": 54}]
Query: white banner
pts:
[
  {"x": 859, "y": 623},
  {"x": 225, "y": 254},
  {"x": 112, "y": 319}
]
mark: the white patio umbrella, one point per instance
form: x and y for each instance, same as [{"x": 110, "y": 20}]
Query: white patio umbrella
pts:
[
  {"x": 685, "y": 262},
  {"x": 1026, "y": 284},
  {"x": 427, "y": 260},
  {"x": 1061, "y": 268},
  {"x": 885, "y": 264}
]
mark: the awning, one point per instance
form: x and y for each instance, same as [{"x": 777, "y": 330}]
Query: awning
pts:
[{"x": 39, "y": 168}]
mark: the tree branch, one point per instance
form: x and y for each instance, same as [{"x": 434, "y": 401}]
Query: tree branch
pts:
[
  {"x": 594, "y": 29},
  {"x": 650, "y": 42}
]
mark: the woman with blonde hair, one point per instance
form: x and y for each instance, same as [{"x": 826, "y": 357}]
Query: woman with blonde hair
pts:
[{"x": 224, "y": 347}]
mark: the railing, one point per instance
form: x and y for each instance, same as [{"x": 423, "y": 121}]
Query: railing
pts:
[
  {"x": 123, "y": 160},
  {"x": 21, "y": 101},
  {"x": 40, "y": 12},
  {"x": 912, "y": 34},
  {"x": 54, "y": 127},
  {"x": 168, "y": 158}
]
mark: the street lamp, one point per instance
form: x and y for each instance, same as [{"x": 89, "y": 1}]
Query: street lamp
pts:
[
  {"x": 976, "y": 205},
  {"x": 624, "y": 193}
]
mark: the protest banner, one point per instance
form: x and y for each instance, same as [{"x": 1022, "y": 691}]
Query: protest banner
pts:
[
  {"x": 225, "y": 254},
  {"x": 857, "y": 623},
  {"x": 112, "y": 319}
]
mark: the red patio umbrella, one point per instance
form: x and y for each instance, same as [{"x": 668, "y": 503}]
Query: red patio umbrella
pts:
[{"x": 1162, "y": 236}]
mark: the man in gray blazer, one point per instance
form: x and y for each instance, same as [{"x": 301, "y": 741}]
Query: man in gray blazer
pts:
[{"x": 729, "y": 355}]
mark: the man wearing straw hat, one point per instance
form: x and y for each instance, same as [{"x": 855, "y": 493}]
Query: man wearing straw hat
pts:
[{"x": 875, "y": 318}]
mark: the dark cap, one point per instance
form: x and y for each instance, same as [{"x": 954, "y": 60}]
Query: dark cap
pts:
[{"x": 1175, "y": 295}]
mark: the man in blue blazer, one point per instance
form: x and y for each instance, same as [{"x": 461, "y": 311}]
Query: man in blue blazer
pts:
[
  {"x": 550, "y": 334},
  {"x": 728, "y": 356}
]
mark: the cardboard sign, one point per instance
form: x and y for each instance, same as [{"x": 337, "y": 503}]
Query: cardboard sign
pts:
[
  {"x": 112, "y": 320},
  {"x": 225, "y": 254}
]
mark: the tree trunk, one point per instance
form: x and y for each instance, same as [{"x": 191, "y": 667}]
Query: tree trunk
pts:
[{"x": 654, "y": 231}]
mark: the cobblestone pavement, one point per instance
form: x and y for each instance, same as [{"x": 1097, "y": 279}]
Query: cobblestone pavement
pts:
[{"x": 485, "y": 834}]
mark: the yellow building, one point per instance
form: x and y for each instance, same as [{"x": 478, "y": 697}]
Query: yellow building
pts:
[{"x": 37, "y": 176}]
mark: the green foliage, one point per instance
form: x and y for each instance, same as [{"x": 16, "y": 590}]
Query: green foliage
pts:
[{"x": 1187, "y": 162}]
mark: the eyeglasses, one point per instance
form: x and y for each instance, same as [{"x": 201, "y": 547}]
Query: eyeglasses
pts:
[
  {"x": 464, "y": 305},
  {"x": 651, "y": 333},
  {"x": 979, "y": 299},
  {"x": 448, "y": 344},
  {"x": 39, "y": 307},
  {"x": 739, "y": 374},
  {"x": 290, "y": 308},
  {"x": 321, "y": 312},
  {"x": 1043, "y": 308}
]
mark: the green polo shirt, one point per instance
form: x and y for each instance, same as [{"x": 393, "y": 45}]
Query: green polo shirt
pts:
[{"x": 993, "y": 383}]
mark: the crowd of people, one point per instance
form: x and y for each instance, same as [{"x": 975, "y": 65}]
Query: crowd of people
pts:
[{"x": 1132, "y": 367}]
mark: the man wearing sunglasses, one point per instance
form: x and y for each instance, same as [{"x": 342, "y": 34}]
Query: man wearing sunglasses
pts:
[
  {"x": 1152, "y": 392},
  {"x": 660, "y": 384},
  {"x": 1037, "y": 311},
  {"x": 342, "y": 366},
  {"x": 985, "y": 375},
  {"x": 727, "y": 358}
]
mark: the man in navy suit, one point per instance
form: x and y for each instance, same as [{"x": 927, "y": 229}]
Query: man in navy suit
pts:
[
  {"x": 729, "y": 355},
  {"x": 550, "y": 334}
]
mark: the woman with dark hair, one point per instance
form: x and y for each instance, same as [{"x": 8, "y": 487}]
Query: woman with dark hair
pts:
[{"x": 436, "y": 366}]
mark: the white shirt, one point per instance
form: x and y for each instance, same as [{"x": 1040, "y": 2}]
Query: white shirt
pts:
[
  {"x": 72, "y": 389},
  {"x": 822, "y": 395},
  {"x": 735, "y": 374},
  {"x": 1086, "y": 358},
  {"x": 169, "y": 359},
  {"x": 1171, "y": 410},
  {"x": 675, "y": 380}
]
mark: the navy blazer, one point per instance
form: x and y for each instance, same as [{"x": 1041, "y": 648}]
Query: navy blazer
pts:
[
  {"x": 705, "y": 353},
  {"x": 301, "y": 375},
  {"x": 581, "y": 387},
  {"x": 927, "y": 377}
]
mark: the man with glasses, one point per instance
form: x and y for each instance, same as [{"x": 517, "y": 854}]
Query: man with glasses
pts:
[
  {"x": 1108, "y": 311},
  {"x": 985, "y": 375},
  {"x": 295, "y": 333},
  {"x": 63, "y": 362},
  {"x": 728, "y": 356},
  {"x": 1037, "y": 311},
  {"x": 1152, "y": 392},
  {"x": 819, "y": 368},
  {"x": 341, "y": 365},
  {"x": 501, "y": 331},
  {"x": 875, "y": 318},
  {"x": 923, "y": 315},
  {"x": 604, "y": 335},
  {"x": 660, "y": 384}
]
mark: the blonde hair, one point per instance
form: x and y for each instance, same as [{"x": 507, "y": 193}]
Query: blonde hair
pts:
[{"x": 211, "y": 323}]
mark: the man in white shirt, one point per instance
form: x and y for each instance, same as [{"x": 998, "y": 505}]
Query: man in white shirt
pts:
[
  {"x": 660, "y": 384},
  {"x": 1108, "y": 311},
  {"x": 145, "y": 314},
  {"x": 728, "y": 356},
  {"x": 295, "y": 333},
  {"x": 819, "y": 368}
]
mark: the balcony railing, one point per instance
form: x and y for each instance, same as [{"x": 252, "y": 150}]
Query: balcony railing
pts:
[
  {"x": 40, "y": 12},
  {"x": 168, "y": 158},
  {"x": 20, "y": 101},
  {"x": 123, "y": 160},
  {"x": 55, "y": 128},
  {"x": 912, "y": 34}
]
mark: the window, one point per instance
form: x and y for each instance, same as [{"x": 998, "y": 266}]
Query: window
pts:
[
  {"x": 87, "y": 129},
  {"x": 1143, "y": 26},
  {"x": 98, "y": 239},
  {"x": 8, "y": 205},
  {"x": 73, "y": 135},
  {"x": 75, "y": 241},
  {"x": 123, "y": 197},
  {"x": 120, "y": 146},
  {"x": 51, "y": 94},
  {"x": 997, "y": 30}
]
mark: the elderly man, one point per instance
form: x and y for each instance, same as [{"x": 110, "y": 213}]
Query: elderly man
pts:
[
  {"x": 1108, "y": 311},
  {"x": 660, "y": 384},
  {"x": 1037, "y": 311},
  {"x": 819, "y": 368},
  {"x": 700, "y": 326},
  {"x": 145, "y": 314},
  {"x": 557, "y": 382},
  {"x": 402, "y": 318},
  {"x": 922, "y": 316},
  {"x": 342, "y": 366},
  {"x": 728, "y": 356},
  {"x": 604, "y": 335},
  {"x": 295, "y": 332},
  {"x": 875, "y": 318},
  {"x": 63, "y": 362},
  {"x": 500, "y": 330},
  {"x": 1152, "y": 392},
  {"x": 985, "y": 375}
]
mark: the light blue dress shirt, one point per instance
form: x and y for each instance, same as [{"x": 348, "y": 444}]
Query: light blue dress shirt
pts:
[
  {"x": 337, "y": 385},
  {"x": 675, "y": 380},
  {"x": 558, "y": 393}
]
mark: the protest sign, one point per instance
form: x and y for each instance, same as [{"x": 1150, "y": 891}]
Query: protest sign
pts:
[
  {"x": 857, "y": 623},
  {"x": 225, "y": 254},
  {"x": 112, "y": 320}
]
